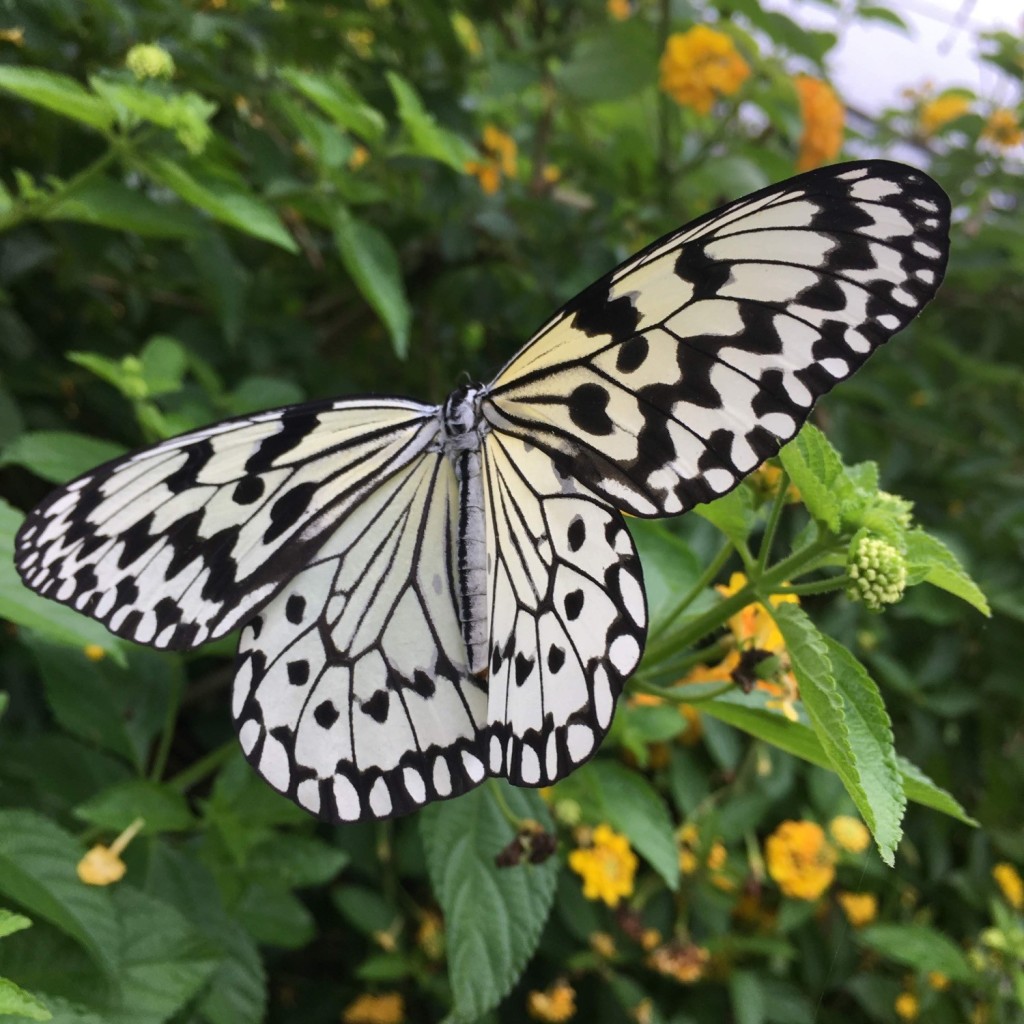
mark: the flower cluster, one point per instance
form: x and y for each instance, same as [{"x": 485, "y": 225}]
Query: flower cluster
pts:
[
  {"x": 499, "y": 158},
  {"x": 147, "y": 60},
  {"x": 800, "y": 859},
  {"x": 1007, "y": 877},
  {"x": 878, "y": 573},
  {"x": 555, "y": 1004},
  {"x": 699, "y": 66},
  {"x": 940, "y": 111},
  {"x": 607, "y": 866},
  {"x": 385, "y": 1008},
  {"x": 824, "y": 120}
]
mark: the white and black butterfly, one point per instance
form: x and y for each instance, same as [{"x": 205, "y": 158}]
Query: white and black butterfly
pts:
[{"x": 430, "y": 595}]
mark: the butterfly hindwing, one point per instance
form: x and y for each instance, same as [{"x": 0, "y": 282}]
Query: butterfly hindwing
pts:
[
  {"x": 352, "y": 693},
  {"x": 568, "y": 616},
  {"x": 672, "y": 377},
  {"x": 179, "y": 543}
]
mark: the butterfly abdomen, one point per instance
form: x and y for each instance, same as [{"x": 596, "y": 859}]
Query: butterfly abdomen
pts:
[{"x": 463, "y": 428}]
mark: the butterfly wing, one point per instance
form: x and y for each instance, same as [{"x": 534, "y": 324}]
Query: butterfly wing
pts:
[
  {"x": 668, "y": 380},
  {"x": 175, "y": 545},
  {"x": 352, "y": 692},
  {"x": 568, "y": 616}
]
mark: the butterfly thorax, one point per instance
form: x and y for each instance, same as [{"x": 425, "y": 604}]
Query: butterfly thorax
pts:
[
  {"x": 463, "y": 429},
  {"x": 462, "y": 425}
]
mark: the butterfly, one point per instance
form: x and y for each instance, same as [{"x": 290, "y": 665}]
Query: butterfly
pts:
[{"x": 432, "y": 595}]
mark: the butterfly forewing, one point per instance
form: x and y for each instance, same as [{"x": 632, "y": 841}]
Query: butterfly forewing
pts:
[
  {"x": 178, "y": 544},
  {"x": 667, "y": 381}
]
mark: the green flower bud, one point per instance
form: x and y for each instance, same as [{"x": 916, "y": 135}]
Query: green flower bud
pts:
[
  {"x": 878, "y": 573},
  {"x": 147, "y": 60}
]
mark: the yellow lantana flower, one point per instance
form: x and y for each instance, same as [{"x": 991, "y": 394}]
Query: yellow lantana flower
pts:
[
  {"x": 849, "y": 833},
  {"x": 620, "y": 10},
  {"x": 938, "y": 981},
  {"x": 557, "y": 1003},
  {"x": 607, "y": 866},
  {"x": 906, "y": 1006},
  {"x": 699, "y": 66},
  {"x": 1010, "y": 884},
  {"x": 800, "y": 859},
  {"x": 500, "y": 157},
  {"x": 94, "y": 652},
  {"x": 940, "y": 111},
  {"x": 102, "y": 865},
  {"x": 824, "y": 117},
  {"x": 1003, "y": 129},
  {"x": 386, "y": 1008},
  {"x": 860, "y": 908}
]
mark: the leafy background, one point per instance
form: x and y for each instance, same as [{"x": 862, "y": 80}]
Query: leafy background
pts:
[{"x": 316, "y": 199}]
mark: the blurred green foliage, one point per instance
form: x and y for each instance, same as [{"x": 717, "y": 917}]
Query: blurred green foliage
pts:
[{"x": 211, "y": 208}]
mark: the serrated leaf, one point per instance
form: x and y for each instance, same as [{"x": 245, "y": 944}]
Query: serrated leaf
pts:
[
  {"x": 58, "y": 455},
  {"x": 427, "y": 137},
  {"x": 164, "y": 961},
  {"x": 49, "y": 621},
  {"x": 37, "y": 871},
  {"x": 162, "y": 808},
  {"x": 917, "y": 946},
  {"x": 296, "y": 860},
  {"x": 871, "y": 740},
  {"x": 372, "y": 263},
  {"x": 817, "y": 471},
  {"x": 748, "y": 712},
  {"x": 16, "y": 1002},
  {"x": 846, "y": 722},
  {"x": 931, "y": 561},
  {"x": 493, "y": 916},
  {"x": 59, "y": 93},
  {"x": 228, "y": 204}
]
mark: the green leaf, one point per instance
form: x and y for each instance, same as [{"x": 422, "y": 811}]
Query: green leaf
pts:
[
  {"x": 931, "y": 561},
  {"x": 917, "y": 946},
  {"x": 613, "y": 62},
  {"x": 16, "y": 1002},
  {"x": 747, "y": 997},
  {"x": 295, "y": 860},
  {"x": 339, "y": 101},
  {"x": 276, "y": 917},
  {"x": 816, "y": 469},
  {"x": 749, "y": 713},
  {"x": 920, "y": 788},
  {"x": 59, "y": 93},
  {"x": 48, "y": 620},
  {"x": 37, "y": 871},
  {"x": 611, "y": 792},
  {"x": 493, "y": 916},
  {"x": 162, "y": 808},
  {"x": 113, "y": 371},
  {"x": 164, "y": 961},
  {"x": 226, "y": 203},
  {"x": 373, "y": 265},
  {"x": 11, "y": 923},
  {"x": 224, "y": 282},
  {"x": 871, "y": 740},
  {"x": 109, "y": 204},
  {"x": 164, "y": 362},
  {"x": 58, "y": 455},
  {"x": 733, "y": 514},
  {"x": 849, "y": 719},
  {"x": 255, "y": 394},
  {"x": 365, "y": 909},
  {"x": 426, "y": 136}
]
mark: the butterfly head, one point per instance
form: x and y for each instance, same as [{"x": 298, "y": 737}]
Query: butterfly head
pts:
[{"x": 460, "y": 416}]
